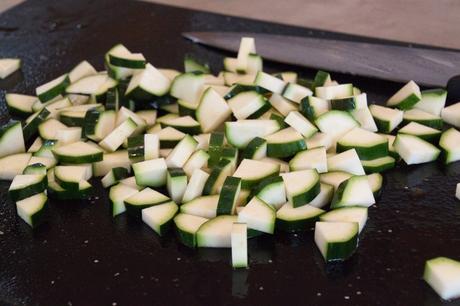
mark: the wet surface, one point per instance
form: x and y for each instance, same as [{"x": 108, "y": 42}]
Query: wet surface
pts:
[{"x": 84, "y": 257}]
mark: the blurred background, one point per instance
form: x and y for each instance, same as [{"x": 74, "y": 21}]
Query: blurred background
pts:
[{"x": 419, "y": 21}]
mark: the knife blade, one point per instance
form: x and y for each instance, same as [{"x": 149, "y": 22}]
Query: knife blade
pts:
[{"x": 429, "y": 67}]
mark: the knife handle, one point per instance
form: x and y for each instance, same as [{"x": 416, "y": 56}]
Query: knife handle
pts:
[{"x": 453, "y": 90}]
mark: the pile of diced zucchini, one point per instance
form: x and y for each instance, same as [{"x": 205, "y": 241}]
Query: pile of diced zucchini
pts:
[{"x": 220, "y": 159}]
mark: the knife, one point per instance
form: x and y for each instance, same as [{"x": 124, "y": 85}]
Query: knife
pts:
[{"x": 429, "y": 67}]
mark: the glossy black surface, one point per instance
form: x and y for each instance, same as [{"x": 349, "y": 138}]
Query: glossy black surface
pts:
[{"x": 83, "y": 257}]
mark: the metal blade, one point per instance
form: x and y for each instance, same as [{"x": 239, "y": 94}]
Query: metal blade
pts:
[{"x": 425, "y": 66}]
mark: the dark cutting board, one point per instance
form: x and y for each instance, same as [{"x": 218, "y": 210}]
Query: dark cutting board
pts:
[{"x": 84, "y": 257}]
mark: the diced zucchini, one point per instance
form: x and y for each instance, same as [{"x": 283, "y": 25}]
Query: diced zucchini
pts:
[
  {"x": 368, "y": 145},
  {"x": 205, "y": 206},
  {"x": 301, "y": 186},
  {"x": 258, "y": 215},
  {"x": 252, "y": 172},
  {"x": 32, "y": 209},
  {"x": 99, "y": 124},
  {"x": 451, "y": 114},
  {"x": 181, "y": 152},
  {"x": 195, "y": 185},
  {"x": 247, "y": 46},
  {"x": 198, "y": 160},
  {"x": 212, "y": 110},
  {"x": 425, "y": 132},
  {"x": 256, "y": 149},
  {"x": 347, "y": 214},
  {"x": 272, "y": 191},
  {"x": 354, "y": 191},
  {"x": 414, "y": 150},
  {"x": 20, "y": 105},
  {"x": 336, "y": 123},
  {"x": 11, "y": 139},
  {"x": 322, "y": 78},
  {"x": 83, "y": 69},
  {"x": 117, "y": 196},
  {"x": 319, "y": 140},
  {"x": 148, "y": 84},
  {"x": 334, "y": 92},
  {"x": 8, "y": 66},
  {"x": 151, "y": 172},
  {"x": 282, "y": 105},
  {"x": 285, "y": 143},
  {"x": 185, "y": 124},
  {"x": 52, "y": 89},
  {"x": 187, "y": 226},
  {"x": 379, "y": 164},
  {"x": 301, "y": 124},
  {"x": 313, "y": 107},
  {"x": 419, "y": 116},
  {"x": 32, "y": 123},
  {"x": 387, "y": 119},
  {"x": 443, "y": 275},
  {"x": 240, "y": 133},
  {"x": 217, "y": 177},
  {"x": 118, "y": 136},
  {"x": 347, "y": 161},
  {"x": 121, "y": 57},
  {"x": 295, "y": 92},
  {"x": 239, "y": 243},
  {"x": 406, "y": 97},
  {"x": 110, "y": 161},
  {"x": 143, "y": 199},
  {"x": 114, "y": 176},
  {"x": 375, "y": 182},
  {"x": 450, "y": 145},
  {"x": 365, "y": 119},
  {"x": 143, "y": 147},
  {"x": 176, "y": 184},
  {"x": 27, "y": 185},
  {"x": 310, "y": 159},
  {"x": 159, "y": 217},
  {"x": 216, "y": 233},
  {"x": 229, "y": 196},
  {"x": 432, "y": 101},
  {"x": 294, "y": 219},
  {"x": 248, "y": 104},
  {"x": 35, "y": 168},
  {"x": 78, "y": 153},
  {"x": 70, "y": 177},
  {"x": 269, "y": 82},
  {"x": 336, "y": 240},
  {"x": 193, "y": 65}
]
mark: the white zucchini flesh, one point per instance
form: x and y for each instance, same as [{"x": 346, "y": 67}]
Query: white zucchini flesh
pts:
[
  {"x": 88, "y": 85},
  {"x": 240, "y": 133},
  {"x": 432, "y": 101},
  {"x": 151, "y": 146},
  {"x": 212, "y": 111},
  {"x": 123, "y": 114},
  {"x": 245, "y": 104},
  {"x": 301, "y": 186},
  {"x": 151, "y": 172},
  {"x": 8, "y": 66},
  {"x": 341, "y": 234},
  {"x": 198, "y": 160},
  {"x": 269, "y": 82},
  {"x": 112, "y": 160},
  {"x": 254, "y": 65},
  {"x": 236, "y": 78},
  {"x": 49, "y": 128},
  {"x": 11, "y": 139},
  {"x": 188, "y": 87},
  {"x": 131, "y": 182},
  {"x": 282, "y": 105},
  {"x": 239, "y": 242},
  {"x": 334, "y": 92},
  {"x": 334, "y": 178},
  {"x": 195, "y": 185},
  {"x": 158, "y": 216},
  {"x": 205, "y": 206},
  {"x": 336, "y": 123},
  {"x": 284, "y": 166},
  {"x": 149, "y": 116},
  {"x": 310, "y": 159},
  {"x": 443, "y": 275},
  {"x": 387, "y": 119},
  {"x": 450, "y": 144},
  {"x": 406, "y": 97},
  {"x": 258, "y": 215},
  {"x": 149, "y": 80},
  {"x": 247, "y": 46},
  {"x": 117, "y": 196},
  {"x": 118, "y": 136},
  {"x": 347, "y": 161},
  {"x": 295, "y": 92},
  {"x": 181, "y": 152},
  {"x": 320, "y": 140},
  {"x": 69, "y": 135},
  {"x": 301, "y": 124},
  {"x": 365, "y": 119},
  {"x": 417, "y": 129},
  {"x": 324, "y": 197},
  {"x": 13, "y": 165},
  {"x": 83, "y": 69},
  {"x": 272, "y": 192},
  {"x": 414, "y": 150},
  {"x": 30, "y": 206},
  {"x": 20, "y": 104},
  {"x": 347, "y": 214},
  {"x": 255, "y": 170},
  {"x": 451, "y": 114},
  {"x": 355, "y": 191},
  {"x": 216, "y": 233}
]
